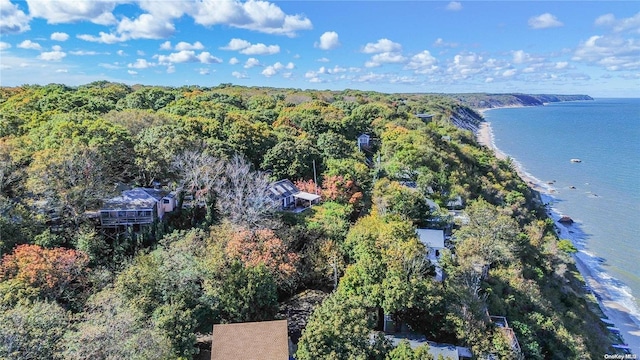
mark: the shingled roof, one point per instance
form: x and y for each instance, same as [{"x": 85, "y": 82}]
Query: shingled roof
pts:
[{"x": 265, "y": 340}]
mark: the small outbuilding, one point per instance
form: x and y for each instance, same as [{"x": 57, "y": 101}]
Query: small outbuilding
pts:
[{"x": 364, "y": 140}]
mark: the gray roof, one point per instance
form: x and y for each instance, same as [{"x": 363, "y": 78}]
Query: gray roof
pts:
[
  {"x": 137, "y": 198},
  {"x": 282, "y": 189},
  {"x": 433, "y": 238},
  {"x": 447, "y": 351}
]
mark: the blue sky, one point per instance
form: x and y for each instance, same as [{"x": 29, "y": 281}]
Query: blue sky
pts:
[{"x": 563, "y": 47}]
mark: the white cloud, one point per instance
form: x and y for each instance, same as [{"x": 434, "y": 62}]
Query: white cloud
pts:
[
  {"x": 59, "y": 36},
  {"x": 14, "y": 20},
  {"x": 185, "y": 56},
  {"x": 171, "y": 69},
  {"x": 4, "y": 45},
  {"x": 251, "y": 62},
  {"x": 561, "y": 65},
  {"x": 611, "y": 52},
  {"x": 256, "y": 15},
  {"x": 261, "y": 49},
  {"x": 103, "y": 38},
  {"x": 509, "y": 73},
  {"x": 186, "y": 46},
  {"x": 385, "y": 58},
  {"x": 441, "y": 43},
  {"x": 324, "y": 59},
  {"x": 141, "y": 64},
  {"x": 56, "y": 55},
  {"x": 454, "y": 6},
  {"x": 328, "y": 40},
  {"x": 28, "y": 44},
  {"x": 69, "y": 11},
  {"x": 233, "y": 61},
  {"x": 544, "y": 21},
  {"x": 166, "y": 45},
  {"x": 422, "y": 63},
  {"x": 63, "y": 71},
  {"x": 236, "y": 44},
  {"x": 114, "y": 66},
  {"x": 269, "y": 71},
  {"x": 245, "y": 47},
  {"x": 83, "y": 53},
  {"x": 140, "y": 52},
  {"x": 206, "y": 58},
  {"x": 521, "y": 57},
  {"x": 203, "y": 71},
  {"x": 146, "y": 26},
  {"x": 383, "y": 45},
  {"x": 132, "y": 72},
  {"x": 239, "y": 75},
  {"x": 609, "y": 20},
  {"x": 121, "y": 53}
]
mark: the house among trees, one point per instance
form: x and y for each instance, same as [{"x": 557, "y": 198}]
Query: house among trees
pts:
[
  {"x": 364, "y": 140},
  {"x": 288, "y": 197},
  {"x": 425, "y": 117},
  {"x": 264, "y": 340},
  {"x": 138, "y": 206},
  {"x": 434, "y": 240}
]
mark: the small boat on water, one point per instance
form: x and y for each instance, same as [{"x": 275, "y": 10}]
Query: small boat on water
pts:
[{"x": 576, "y": 160}]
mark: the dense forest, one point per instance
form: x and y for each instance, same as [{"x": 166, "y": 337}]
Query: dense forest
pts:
[{"x": 70, "y": 289}]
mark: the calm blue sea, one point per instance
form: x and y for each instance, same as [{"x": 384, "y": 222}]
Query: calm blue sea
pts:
[{"x": 605, "y": 135}]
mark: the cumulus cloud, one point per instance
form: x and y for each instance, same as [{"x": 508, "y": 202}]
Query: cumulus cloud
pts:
[
  {"x": 141, "y": 64},
  {"x": 454, "y": 6},
  {"x": 28, "y": 44},
  {"x": 612, "y": 52},
  {"x": 14, "y": 20},
  {"x": 276, "y": 68},
  {"x": 256, "y": 15},
  {"x": 247, "y": 48},
  {"x": 239, "y": 75},
  {"x": 233, "y": 61},
  {"x": 441, "y": 43},
  {"x": 69, "y": 11},
  {"x": 186, "y": 46},
  {"x": 146, "y": 26},
  {"x": 4, "y": 45},
  {"x": 385, "y": 58},
  {"x": 103, "y": 37},
  {"x": 544, "y": 21},
  {"x": 166, "y": 45},
  {"x": 59, "y": 36},
  {"x": 56, "y": 55},
  {"x": 132, "y": 72},
  {"x": 422, "y": 63},
  {"x": 83, "y": 53},
  {"x": 619, "y": 25},
  {"x": 251, "y": 62},
  {"x": 328, "y": 40},
  {"x": 121, "y": 53},
  {"x": 185, "y": 56},
  {"x": 383, "y": 45}
]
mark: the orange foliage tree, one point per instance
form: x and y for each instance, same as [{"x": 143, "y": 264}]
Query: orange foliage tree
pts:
[
  {"x": 255, "y": 247},
  {"x": 53, "y": 274}
]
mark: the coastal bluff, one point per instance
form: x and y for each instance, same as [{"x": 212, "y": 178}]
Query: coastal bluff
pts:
[{"x": 489, "y": 101}]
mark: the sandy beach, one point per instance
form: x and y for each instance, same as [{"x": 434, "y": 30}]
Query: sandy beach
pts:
[{"x": 614, "y": 311}]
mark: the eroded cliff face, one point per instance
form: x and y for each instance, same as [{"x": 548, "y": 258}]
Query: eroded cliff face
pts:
[
  {"x": 488, "y": 101},
  {"x": 465, "y": 116}
]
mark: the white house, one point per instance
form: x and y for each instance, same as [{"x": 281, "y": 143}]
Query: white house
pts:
[{"x": 434, "y": 240}]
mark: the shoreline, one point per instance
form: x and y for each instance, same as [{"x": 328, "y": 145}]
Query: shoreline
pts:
[{"x": 613, "y": 310}]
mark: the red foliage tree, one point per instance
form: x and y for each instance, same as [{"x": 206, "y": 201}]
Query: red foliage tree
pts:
[{"x": 56, "y": 273}]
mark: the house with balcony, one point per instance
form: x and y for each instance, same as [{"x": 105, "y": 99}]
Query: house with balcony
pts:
[{"x": 137, "y": 206}]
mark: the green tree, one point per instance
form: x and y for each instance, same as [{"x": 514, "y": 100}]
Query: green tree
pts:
[
  {"x": 32, "y": 331},
  {"x": 337, "y": 329}
]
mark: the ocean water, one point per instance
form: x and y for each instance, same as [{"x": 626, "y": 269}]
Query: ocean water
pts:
[{"x": 601, "y": 193}]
